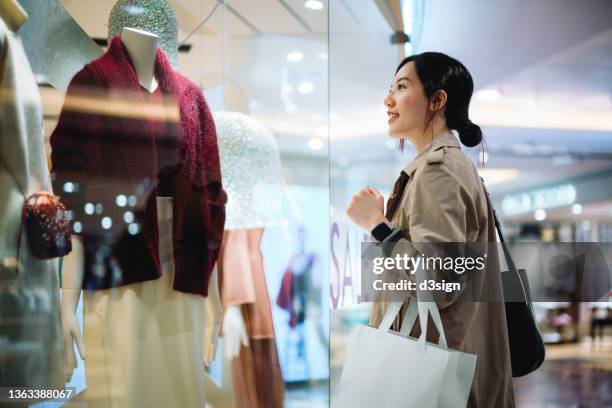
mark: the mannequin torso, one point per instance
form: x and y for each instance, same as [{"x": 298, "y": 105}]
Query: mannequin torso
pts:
[
  {"x": 129, "y": 327},
  {"x": 142, "y": 46}
]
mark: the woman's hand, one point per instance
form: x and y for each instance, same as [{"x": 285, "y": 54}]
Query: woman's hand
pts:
[{"x": 366, "y": 208}]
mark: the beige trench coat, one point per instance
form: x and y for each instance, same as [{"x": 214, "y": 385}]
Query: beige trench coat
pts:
[{"x": 444, "y": 201}]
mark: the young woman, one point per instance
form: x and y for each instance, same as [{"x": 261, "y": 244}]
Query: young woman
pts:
[{"x": 439, "y": 197}]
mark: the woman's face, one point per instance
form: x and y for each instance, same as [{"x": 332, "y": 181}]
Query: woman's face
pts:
[{"x": 406, "y": 103}]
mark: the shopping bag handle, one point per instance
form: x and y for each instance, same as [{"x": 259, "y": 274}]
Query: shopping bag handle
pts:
[{"x": 423, "y": 309}]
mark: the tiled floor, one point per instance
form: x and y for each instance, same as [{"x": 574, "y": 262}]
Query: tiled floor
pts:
[
  {"x": 307, "y": 395},
  {"x": 573, "y": 376}
]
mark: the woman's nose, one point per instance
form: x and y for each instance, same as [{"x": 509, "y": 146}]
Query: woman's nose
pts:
[{"x": 388, "y": 101}]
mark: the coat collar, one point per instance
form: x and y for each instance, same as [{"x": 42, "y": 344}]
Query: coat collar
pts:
[
  {"x": 444, "y": 139},
  {"x": 118, "y": 57}
]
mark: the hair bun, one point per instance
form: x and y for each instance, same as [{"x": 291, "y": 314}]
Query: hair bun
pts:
[{"x": 470, "y": 133}]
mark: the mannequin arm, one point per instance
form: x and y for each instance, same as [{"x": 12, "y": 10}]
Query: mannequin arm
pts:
[
  {"x": 234, "y": 332},
  {"x": 213, "y": 312},
  {"x": 13, "y": 14},
  {"x": 72, "y": 281}
]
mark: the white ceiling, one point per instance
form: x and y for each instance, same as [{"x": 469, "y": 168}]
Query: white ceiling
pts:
[{"x": 548, "y": 63}]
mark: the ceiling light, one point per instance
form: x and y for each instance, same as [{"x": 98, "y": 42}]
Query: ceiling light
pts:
[
  {"x": 305, "y": 87},
  {"x": 313, "y": 4},
  {"x": 315, "y": 143},
  {"x": 106, "y": 222},
  {"x": 89, "y": 208},
  {"x": 121, "y": 200},
  {"x": 488, "y": 95},
  {"x": 497, "y": 176},
  {"x": 69, "y": 187},
  {"x": 295, "y": 56},
  {"x": 133, "y": 228},
  {"x": 539, "y": 215},
  {"x": 342, "y": 161},
  {"x": 562, "y": 160},
  {"x": 576, "y": 209},
  {"x": 322, "y": 131},
  {"x": 128, "y": 217}
]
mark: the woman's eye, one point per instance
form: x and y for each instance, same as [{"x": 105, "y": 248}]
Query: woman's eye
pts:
[{"x": 401, "y": 87}]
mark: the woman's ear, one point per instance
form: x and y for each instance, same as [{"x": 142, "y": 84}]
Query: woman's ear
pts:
[{"x": 438, "y": 101}]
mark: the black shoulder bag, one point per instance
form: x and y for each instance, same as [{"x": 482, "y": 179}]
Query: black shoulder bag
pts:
[{"x": 527, "y": 349}]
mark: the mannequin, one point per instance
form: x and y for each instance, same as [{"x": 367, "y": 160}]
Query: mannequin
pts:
[
  {"x": 29, "y": 318},
  {"x": 13, "y": 14},
  {"x": 250, "y": 164},
  {"x": 130, "y": 329},
  {"x": 299, "y": 294},
  {"x": 155, "y": 16},
  {"x": 142, "y": 47}
]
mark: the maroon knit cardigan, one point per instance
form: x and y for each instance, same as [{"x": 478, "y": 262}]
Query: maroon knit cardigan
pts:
[{"x": 106, "y": 148}]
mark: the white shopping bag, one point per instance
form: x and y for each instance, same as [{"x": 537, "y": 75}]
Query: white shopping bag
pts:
[{"x": 386, "y": 369}]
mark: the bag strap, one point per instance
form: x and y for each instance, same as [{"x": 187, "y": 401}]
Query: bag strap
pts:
[
  {"x": 507, "y": 254},
  {"x": 422, "y": 308}
]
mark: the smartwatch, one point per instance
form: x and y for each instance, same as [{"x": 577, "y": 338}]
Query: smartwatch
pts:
[{"x": 382, "y": 231}]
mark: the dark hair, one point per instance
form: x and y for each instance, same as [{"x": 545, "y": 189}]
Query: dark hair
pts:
[{"x": 438, "y": 71}]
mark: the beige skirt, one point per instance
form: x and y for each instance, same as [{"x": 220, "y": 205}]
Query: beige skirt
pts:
[{"x": 145, "y": 341}]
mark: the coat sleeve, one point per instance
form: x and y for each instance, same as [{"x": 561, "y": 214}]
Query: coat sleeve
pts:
[
  {"x": 75, "y": 142},
  {"x": 438, "y": 225}
]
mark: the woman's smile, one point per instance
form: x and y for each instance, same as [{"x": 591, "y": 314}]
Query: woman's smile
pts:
[{"x": 392, "y": 116}]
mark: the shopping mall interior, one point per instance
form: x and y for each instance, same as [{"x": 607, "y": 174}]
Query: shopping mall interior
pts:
[{"x": 314, "y": 74}]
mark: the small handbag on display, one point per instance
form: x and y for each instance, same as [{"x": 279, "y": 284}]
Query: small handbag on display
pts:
[
  {"x": 527, "y": 349},
  {"x": 46, "y": 222}
]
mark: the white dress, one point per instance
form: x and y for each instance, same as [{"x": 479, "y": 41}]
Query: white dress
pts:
[
  {"x": 31, "y": 345},
  {"x": 145, "y": 341}
]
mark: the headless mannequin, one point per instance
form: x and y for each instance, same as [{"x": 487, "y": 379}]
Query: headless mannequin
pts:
[
  {"x": 142, "y": 47},
  {"x": 13, "y": 14}
]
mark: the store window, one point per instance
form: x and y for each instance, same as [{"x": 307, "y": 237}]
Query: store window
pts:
[{"x": 186, "y": 140}]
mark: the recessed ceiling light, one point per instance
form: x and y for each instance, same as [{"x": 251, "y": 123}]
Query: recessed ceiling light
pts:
[
  {"x": 322, "y": 131},
  {"x": 313, "y": 4},
  {"x": 342, "y": 161},
  {"x": 488, "y": 95},
  {"x": 305, "y": 87},
  {"x": 539, "y": 215},
  {"x": 295, "y": 56},
  {"x": 576, "y": 209},
  {"x": 106, "y": 222},
  {"x": 562, "y": 160},
  {"x": 315, "y": 143},
  {"x": 493, "y": 176}
]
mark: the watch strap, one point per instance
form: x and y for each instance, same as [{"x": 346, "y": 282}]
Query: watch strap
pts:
[{"x": 382, "y": 231}]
